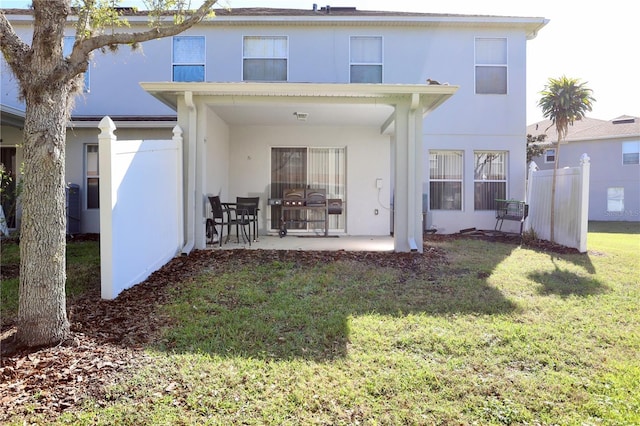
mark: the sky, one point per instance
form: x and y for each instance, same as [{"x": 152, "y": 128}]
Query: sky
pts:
[{"x": 591, "y": 41}]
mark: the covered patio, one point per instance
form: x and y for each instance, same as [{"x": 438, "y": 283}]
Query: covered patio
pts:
[{"x": 232, "y": 129}]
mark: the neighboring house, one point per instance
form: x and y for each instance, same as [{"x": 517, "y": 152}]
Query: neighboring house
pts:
[
  {"x": 614, "y": 149},
  {"x": 326, "y": 97}
]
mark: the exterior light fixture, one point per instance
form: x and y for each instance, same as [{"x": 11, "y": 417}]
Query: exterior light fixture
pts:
[{"x": 301, "y": 116}]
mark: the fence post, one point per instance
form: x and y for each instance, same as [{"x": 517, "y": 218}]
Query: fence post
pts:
[
  {"x": 533, "y": 167},
  {"x": 178, "y": 139},
  {"x": 585, "y": 168},
  {"x": 107, "y": 199}
]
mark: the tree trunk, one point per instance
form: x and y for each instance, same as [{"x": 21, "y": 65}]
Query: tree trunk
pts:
[{"x": 42, "y": 317}]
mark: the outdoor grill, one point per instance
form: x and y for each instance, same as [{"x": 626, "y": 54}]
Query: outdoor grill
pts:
[
  {"x": 293, "y": 197},
  {"x": 315, "y": 197}
]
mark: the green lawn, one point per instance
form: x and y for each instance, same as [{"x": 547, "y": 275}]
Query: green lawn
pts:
[{"x": 496, "y": 335}]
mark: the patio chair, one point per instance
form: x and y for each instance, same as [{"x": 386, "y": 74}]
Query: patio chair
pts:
[
  {"x": 225, "y": 215},
  {"x": 252, "y": 206}
]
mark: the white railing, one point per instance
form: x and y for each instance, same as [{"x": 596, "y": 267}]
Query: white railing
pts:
[{"x": 571, "y": 204}]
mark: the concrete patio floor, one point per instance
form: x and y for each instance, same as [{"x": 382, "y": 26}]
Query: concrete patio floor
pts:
[{"x": 294, "y": 242}]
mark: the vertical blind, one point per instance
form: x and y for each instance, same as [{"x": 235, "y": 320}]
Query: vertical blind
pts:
[{"x": 490, "y": 179}]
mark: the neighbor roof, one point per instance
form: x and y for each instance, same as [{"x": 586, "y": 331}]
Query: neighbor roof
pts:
[{"x": 590, "y": 129}]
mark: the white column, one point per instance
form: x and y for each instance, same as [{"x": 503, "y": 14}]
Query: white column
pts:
[{"x": 407, "y": 227}]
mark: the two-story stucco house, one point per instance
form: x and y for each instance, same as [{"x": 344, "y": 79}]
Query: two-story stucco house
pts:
[
  {"x": 334, "y": 98},
  {"x": 614, "y": 149}
]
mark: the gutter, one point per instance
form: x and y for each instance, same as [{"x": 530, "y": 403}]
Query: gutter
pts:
[{"x": 191, "y": 174}]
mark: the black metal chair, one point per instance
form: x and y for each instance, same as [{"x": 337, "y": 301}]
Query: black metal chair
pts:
[
  {"x": 223, "y": 214},
  {"x": 252, "y": 206}
]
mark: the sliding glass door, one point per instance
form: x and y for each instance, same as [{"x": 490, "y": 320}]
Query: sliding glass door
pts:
[{"x": 313, "y": 168}]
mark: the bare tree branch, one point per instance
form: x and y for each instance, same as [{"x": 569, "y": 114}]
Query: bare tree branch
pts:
[
  {"x": 82, "y": 50},
  {"x": 15, "y": 51}
]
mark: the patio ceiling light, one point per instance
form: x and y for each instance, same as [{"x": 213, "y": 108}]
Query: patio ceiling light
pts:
[{"x": 301, "y": 116}]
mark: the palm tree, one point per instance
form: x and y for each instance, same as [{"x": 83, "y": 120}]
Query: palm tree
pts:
[{"x": 564, "y": 100}]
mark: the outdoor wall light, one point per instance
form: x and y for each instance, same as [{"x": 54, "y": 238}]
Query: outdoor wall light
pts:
[{"x": 301, "y": 116}]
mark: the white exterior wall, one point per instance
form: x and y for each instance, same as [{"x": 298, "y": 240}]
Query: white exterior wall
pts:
[
  {"x": 367, "y": 159},
  {"x": 320, "y": 54}
]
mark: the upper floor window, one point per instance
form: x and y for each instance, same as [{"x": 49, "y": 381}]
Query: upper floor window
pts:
[
  {"x": 550, "y": 155},
  {"x": 264, "y": 58},
  {"x": 490, "y": 178},
  {"x": 366, "y": 59},
  {"x": 67, "y": 48},
  {"x": 445, "y": 180},
  {"x": 491, "y": 66},
  {"x": 188, "y": 58},
  {"x": 631, "y": 153}
]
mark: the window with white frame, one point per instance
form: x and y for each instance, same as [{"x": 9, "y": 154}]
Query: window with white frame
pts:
[
  {"x": 631, "y": 153},
  {"x": 264, "y": 58},
  {"x": 366, "y": 59},
  {"x": 490, "y": 179},
  {"x": 188, "y": 58},
  {"x": 615, "y": 199},
  {"x": 491, "y": 66},
  {"x": 92, "y": 176},
  {"x": 445, "y": 180},
  {"x": 67, "y": 48},
  {"x": 550, "y": 155}
]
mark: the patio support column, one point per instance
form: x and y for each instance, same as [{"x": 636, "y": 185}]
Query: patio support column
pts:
[
  {"x": 408, "y": 177},
  {"x": 190, "y": 168}
]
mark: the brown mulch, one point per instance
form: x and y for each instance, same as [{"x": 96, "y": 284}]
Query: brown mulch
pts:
[{"x": 109, "y": 336}]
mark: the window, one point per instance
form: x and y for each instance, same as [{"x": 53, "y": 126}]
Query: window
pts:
[
  {"x": 301, "y": 167},
  {"x": 366, "y": 59},
  {"x": 264, "y": 58},
  {"x": 631, "y": 153},
  {"x": 188, "y": 58},
  {"x": 490, "y": 179},
  {"x": 67, "y": 48},
  {"x": 92, "y": 176},
  {"x": 615, "y": 199},
  {"x": 445, "y": 180},
  {"x": 550, "y": 155},
  {"x": 491, "y": 66}
]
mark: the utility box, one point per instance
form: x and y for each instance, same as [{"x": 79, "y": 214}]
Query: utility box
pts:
[{"x": 73, "y": 208}]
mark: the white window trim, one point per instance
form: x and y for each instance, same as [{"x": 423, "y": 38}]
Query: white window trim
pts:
[
  {"x": 506, "y": 174},
  {"x": 631, "y": 151},
  {"x": 546, "y": 156},
  {"x": 204, "y": 63},
  {"x": 461, "y": 180},
  {"x": 611, "y": 199},
  {"x": 477, "y": 64},
  {"x": 381, "y": 64},
  {"x": 286, "y": 57}
]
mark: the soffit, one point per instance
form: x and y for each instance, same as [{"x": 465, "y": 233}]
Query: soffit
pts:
[{"x": 326, "y": 104}]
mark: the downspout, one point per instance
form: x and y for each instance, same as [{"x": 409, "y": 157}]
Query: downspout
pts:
[
  {"x": 415, "y": 103},
  {"x": 191, "y": 173}
]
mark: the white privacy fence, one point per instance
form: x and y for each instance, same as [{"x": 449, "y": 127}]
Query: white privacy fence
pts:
[
  {"x": 571, "y": 204},
  {"x": 140, "y": 207}
]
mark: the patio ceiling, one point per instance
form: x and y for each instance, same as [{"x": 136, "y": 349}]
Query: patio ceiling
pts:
[{"x": 324, "y": 104}]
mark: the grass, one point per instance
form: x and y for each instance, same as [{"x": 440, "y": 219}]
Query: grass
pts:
[
  {"x": 83, "y": 273},
  {"x": 500, "y": 335}
]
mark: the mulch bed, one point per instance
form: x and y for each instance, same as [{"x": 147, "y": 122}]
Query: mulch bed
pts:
[{"x": 109, "y": 336}]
